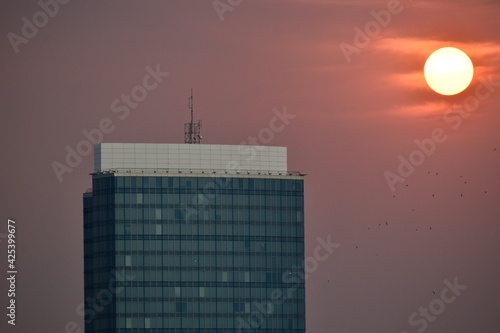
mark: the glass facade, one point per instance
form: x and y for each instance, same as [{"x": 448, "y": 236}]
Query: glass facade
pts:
[{"x": 194, "y": 254}]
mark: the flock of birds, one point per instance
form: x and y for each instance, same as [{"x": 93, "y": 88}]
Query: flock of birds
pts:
[{"x": 433, "y": 195}]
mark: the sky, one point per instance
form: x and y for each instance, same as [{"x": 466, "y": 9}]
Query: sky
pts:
[{"x": 404, "y": 179}]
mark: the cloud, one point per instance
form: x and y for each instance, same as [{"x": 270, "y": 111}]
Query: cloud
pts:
[
  {"x": 425, "y": 109},
  {"x": 413, "y": 52}
]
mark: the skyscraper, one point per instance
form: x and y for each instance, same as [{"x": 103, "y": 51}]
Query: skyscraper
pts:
[{"x": 193, "y": 238}]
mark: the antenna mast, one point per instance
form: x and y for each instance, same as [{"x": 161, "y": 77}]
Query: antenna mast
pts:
[{"x": 192, "y": 130}]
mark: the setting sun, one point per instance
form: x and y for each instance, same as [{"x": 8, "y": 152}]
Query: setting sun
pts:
[{"x": 448, "y": 71}]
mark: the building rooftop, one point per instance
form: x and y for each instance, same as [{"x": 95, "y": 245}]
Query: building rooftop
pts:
[{"x": 197, "y": 158}]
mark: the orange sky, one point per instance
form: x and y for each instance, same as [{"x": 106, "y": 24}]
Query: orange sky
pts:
[{"x": 353, "y": 120}]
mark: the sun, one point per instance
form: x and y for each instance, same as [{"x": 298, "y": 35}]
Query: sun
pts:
[{"x": 448, "y": 71}]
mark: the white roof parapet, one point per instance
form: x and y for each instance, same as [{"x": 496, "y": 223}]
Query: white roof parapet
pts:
[{"x": 112, "y": 156}]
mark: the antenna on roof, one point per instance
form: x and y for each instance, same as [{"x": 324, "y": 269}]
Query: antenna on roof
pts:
[{"x": 192, "y": 130}]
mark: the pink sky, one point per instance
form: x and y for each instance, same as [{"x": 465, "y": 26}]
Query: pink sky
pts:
[{"x": 353, "y": 120}]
